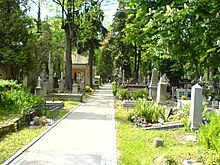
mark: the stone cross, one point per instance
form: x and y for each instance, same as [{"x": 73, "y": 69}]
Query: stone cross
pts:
[{"x": 196, "y": 107}]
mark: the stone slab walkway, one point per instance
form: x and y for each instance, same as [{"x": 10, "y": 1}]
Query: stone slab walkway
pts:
[{"x": 85, "y": 137}]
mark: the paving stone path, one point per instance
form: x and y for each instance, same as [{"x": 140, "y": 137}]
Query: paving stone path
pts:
[{"x": 85, "y": 137}]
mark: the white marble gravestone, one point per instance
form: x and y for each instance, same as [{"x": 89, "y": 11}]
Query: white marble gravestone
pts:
[
  {"x": 38, "y": 89},
  {"x": 196, "y": 107},
  {"x": 61, "y": 83},
  {"x": 162, "y": 90}
]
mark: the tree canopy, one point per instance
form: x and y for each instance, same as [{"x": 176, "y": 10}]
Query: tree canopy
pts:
[
  {"x": 180, "y": 38},
  {"x": 177, "y": 37},
  {"x": 16, "y": 43}
]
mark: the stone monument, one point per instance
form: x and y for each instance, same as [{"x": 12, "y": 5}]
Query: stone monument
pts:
[
  {"x": 123, "y": 76},
  {"x": 162, "y": 90},
  {"x": 61, "y": 83},
  {"x": 50, "y": 67},
  {"x": 38, "y": 89},
  {"x": 196, "y": 107},
  {"x": 74, "y": 88},
  {"x": 153, "y": 84}
]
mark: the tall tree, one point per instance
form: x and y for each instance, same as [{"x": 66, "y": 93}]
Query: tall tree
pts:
[
  {"x": 92, "y": 31},
  {"x": 121, "y": 51},
  {"x": 180, "y": 36},
  {"x": 16, "y": 50},
  {"x": 68, "y": 13}
]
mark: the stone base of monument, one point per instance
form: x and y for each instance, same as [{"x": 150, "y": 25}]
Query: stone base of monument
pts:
[
  {"x": 127, "y": 103},
  {"x": 59, "y": 104},
  {"x": 64, "y": 97},
  {"x": 165, "y": 126},
  {"x": 131, "y": 87}
]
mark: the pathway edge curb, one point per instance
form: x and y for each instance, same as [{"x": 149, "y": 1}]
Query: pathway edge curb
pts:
[
  {"x": 26, "y": 147},
  {"x": 23, "y": 149}
]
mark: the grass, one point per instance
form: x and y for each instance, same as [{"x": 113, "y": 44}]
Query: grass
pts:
[
  {"x": 135, "y": 145},
  {"x": 11, "y": 143}
]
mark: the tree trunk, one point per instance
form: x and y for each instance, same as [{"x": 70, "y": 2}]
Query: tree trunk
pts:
[
  {"x": 138, "y": 65},
  {"x": 68, "y": 59},
  {"x": 91, "y": 53},
  {"x": 135, "y": 62}
]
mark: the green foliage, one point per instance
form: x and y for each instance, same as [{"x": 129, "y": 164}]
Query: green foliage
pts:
[
  {"x": 135, "y": 94},
  {"x": 114, "y": 84},
  {"x": 171, "y": 34},
  {"x": 124, "y": 94},
  {"x": 209, "y": 134},
  {"x": 135, "y": 145},
  {"x": 6, "y": 85},
  {"x": 142, "y": 93},
  {"x": 183, "y": 97},
  {"x": 115, "y": 88},
  {"x": 88, "y": 88},
  {"x": 14, "y": 99},
  {"x": 12, "y": 143},
  {"x": 151, "y": 112},
  {"x": 16, "y": 46}
]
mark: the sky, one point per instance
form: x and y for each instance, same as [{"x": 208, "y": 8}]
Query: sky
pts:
[{"x": 108, "y": 6}]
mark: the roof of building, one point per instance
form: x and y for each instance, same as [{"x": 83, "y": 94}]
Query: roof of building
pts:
[{"x": 80, "y": 58}]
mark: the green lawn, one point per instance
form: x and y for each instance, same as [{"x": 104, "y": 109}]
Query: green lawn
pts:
[
  {"x": 135, "y": 145},
  {"x": 11, "y": 143}
]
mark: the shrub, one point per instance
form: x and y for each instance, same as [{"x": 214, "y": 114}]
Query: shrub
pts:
[
  {"x": 124, "y": 94},
  {"x": 115, "y": 88},
  {"x": 114, "y": 84},
  {"x": 6, "y": 85},
  {"x": 151, "y": 112},
  {"x": 15, "y": 99},
  {"x": 183, "y": 97},
  {"x": 114, "y": 91},
  {"x": 209, "y": 133},
  {"x": 88, "y": 88},
  {"x": 143, "y": 93}
]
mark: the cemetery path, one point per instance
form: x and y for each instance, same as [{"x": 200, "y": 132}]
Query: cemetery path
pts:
[{"x": 85, "y": 137}]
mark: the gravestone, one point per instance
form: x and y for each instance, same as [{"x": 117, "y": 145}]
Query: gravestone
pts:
[
  {"x": 50, "y": 67},
  {"x": 162, "y": 90},
  {"x": 174, "y": 92},
  {"x": 196, "y": 107},
  {"x": 183, "y": 92},
  {"x": 123, "y": 76},
  {"x": 158, "y": 142},
  {"x": 74, "y": 88},
  {"x": 45, "y": 88},
  {"x": 214, "y": 104},
  {"x": 153, "y": 84},
  {"x": 43, "y": 74},
  {"x": 38, "y": 89},
  {"x": 61, "y": 83}
]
